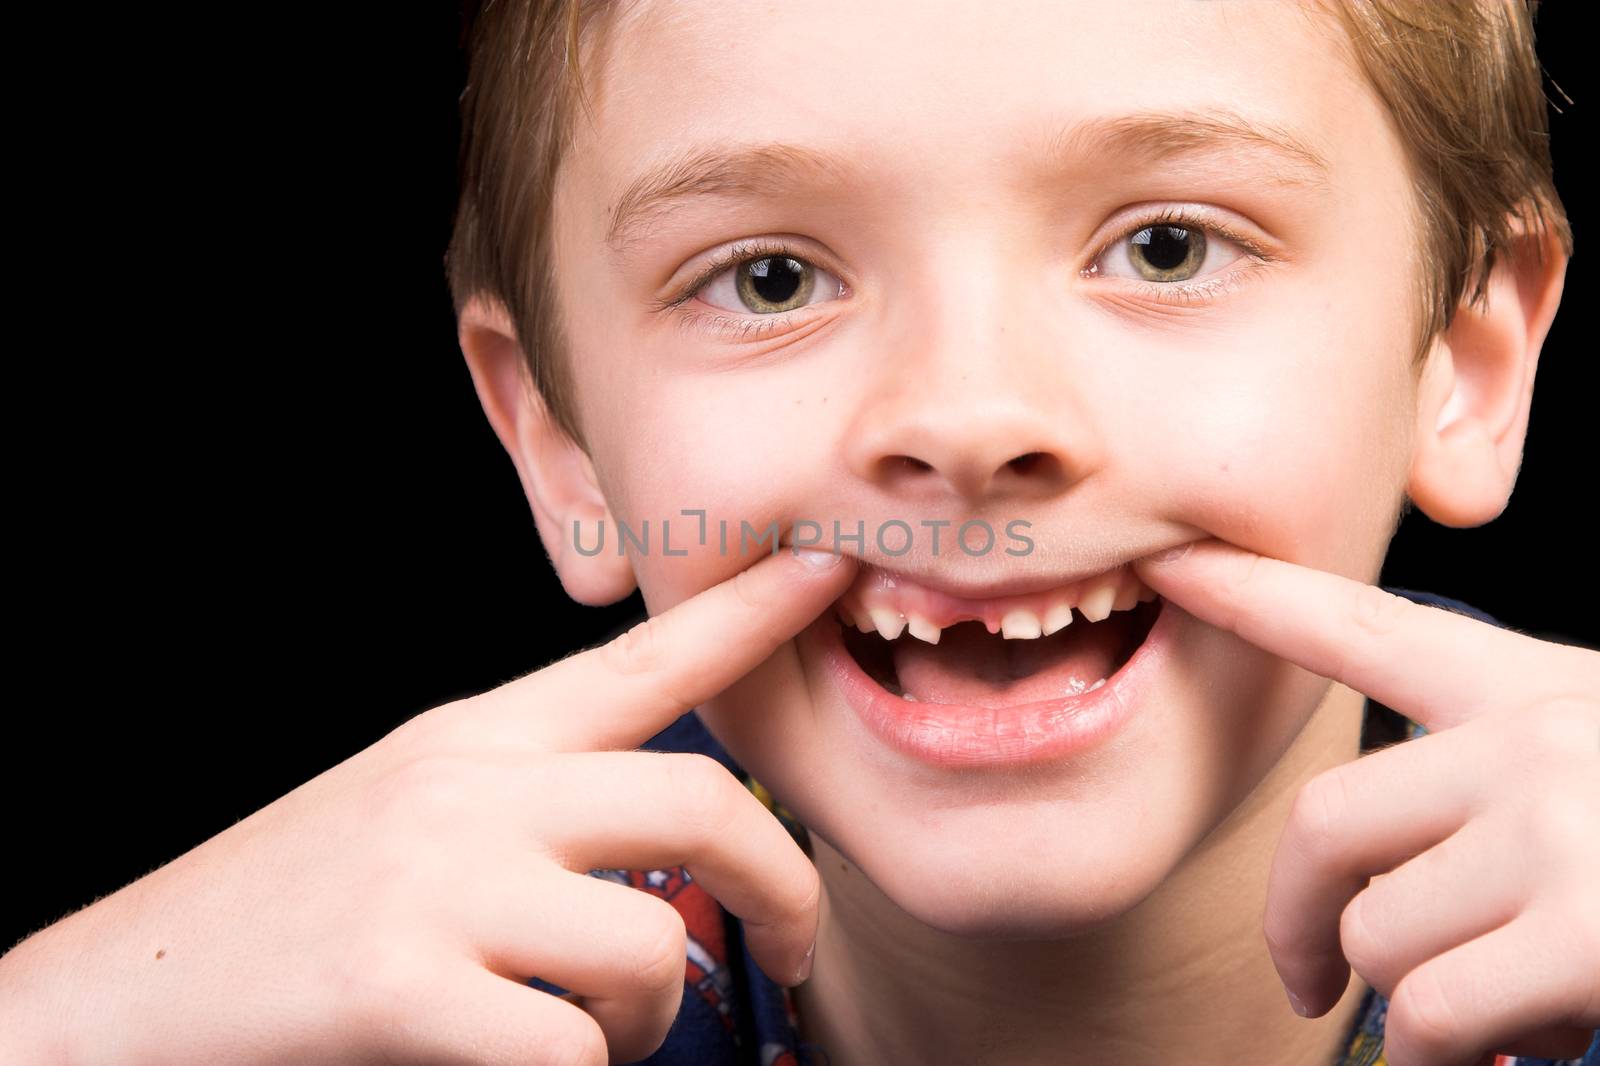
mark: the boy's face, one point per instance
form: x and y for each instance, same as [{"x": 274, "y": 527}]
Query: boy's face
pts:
[{"x": 974, "y": 300}]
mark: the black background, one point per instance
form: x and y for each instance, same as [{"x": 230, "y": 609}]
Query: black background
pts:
[{"x": 260, "y": 519}]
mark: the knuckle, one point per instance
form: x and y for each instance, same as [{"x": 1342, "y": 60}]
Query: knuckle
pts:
[
  {"x": 1424, "y": 1016},
  {"x": 1249, "y": 572},
  {"x": 644, "y": 652},
  {"x": 1571, "y": 921},
  {"x": 580, "y": 1043},
  {"x": 1358, "y": 940},
  {"x": 1281, "y": 937},
  {"x": 1562, "y": 728},
  {"x": 1377, "y": 613},
  {"x": 1246, "y": 574},
  {"x": 419, "y": 735},
  {"x": 453, "y": 726},
  {"x": 379, "y": 980},
  {"x": 703, "y": 789},
  {"x": 747, "y": 589},
  {"x": 662, "y": 958},
  {"x": 1560, "y": 826},
  {"x": 1581, "y": 946},
  {"x": 812, "y": 883},
  {"x": 1584, "y": 666},
  {"x": 637, "y": 650},
  {"x": 423, "y": 791},
  {"x": 1318, "y": 811}
]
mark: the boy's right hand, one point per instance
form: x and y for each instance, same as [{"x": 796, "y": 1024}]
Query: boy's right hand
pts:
[{"x": 391, "y": 909}]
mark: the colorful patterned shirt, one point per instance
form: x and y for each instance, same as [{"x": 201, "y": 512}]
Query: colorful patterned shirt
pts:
[{"x": 735, "y": 1015}]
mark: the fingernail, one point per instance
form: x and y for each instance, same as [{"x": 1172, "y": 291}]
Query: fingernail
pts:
[
  {"x": 1172, "y": 554},
  {"x": 805, "y": 964},
  {"x": 818, "y": 559},
  {"x": 1294, "y": 1001}
]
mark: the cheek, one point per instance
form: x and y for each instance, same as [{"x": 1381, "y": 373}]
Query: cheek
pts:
[
  {"x": 1290, "y": 449},
  {"x": 747, "y": 447}
]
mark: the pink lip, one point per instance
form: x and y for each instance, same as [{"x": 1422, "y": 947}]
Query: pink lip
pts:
[{"x": 952, "y": 736}]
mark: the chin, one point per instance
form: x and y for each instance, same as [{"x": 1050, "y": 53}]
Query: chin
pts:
[{"x": 1044, "y": 872}]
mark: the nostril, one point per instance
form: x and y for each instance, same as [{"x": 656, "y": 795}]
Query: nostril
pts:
[
  {"x": 911, "y": 462},
  {"x": 1029, "y": 463}
]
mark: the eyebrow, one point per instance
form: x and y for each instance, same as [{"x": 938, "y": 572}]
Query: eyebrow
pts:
[{"x": 774, "y": 169}]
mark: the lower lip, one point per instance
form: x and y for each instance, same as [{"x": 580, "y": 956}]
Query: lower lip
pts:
[{"x": 959, "y": 737}]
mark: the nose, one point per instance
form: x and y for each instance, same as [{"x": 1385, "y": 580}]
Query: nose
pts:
[
  {"x": 976, "y": 396},
  {"x": 978, "y": 432}
]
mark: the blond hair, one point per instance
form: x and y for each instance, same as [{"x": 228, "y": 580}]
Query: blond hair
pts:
[{"x": 1461, "y": 79}]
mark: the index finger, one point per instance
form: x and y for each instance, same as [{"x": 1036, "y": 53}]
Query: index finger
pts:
[
  {"x": 1432, "y": 665},
  {"x": 620, "y": 694}
]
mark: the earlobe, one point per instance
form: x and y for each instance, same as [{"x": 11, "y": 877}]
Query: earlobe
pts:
[
  {"x": 1476, "y": 390},
  {"x": 557, "y": 476}
]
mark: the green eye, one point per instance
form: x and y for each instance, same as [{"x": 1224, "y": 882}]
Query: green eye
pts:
[
  {"x": 1165, "y": 253},
  {"x": 773, "y": 284}
]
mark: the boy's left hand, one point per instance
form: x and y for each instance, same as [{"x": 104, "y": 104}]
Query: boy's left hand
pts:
[{"x": 1481, "y": 921}]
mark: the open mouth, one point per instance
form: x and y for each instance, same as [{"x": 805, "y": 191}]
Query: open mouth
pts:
[{"x": 924, "y": 646}]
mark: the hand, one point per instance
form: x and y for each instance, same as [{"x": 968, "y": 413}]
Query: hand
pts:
[
  {"x": 1481, "y": 923},
  {"x": 392, "y": 909}
]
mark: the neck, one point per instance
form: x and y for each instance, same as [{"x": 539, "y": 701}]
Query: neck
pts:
[{"x": 1184, "y": 976}]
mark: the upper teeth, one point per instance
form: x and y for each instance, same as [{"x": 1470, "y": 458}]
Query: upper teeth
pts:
[
  {"x": 891, "y": 606},
  {"x": 889, "y": 623}
]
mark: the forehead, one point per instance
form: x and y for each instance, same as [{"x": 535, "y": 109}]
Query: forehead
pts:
[{"x": 921, "y": 97}]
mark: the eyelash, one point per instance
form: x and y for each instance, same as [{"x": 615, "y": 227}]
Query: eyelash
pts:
[
  {"x": 737, "y": 255},
  {"x": 1185, "y": 293}
]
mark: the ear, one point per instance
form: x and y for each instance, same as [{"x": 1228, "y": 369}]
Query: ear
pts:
[
  {"x": 557, "y": 475},
  {"x": 1476, "y": 390}
]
